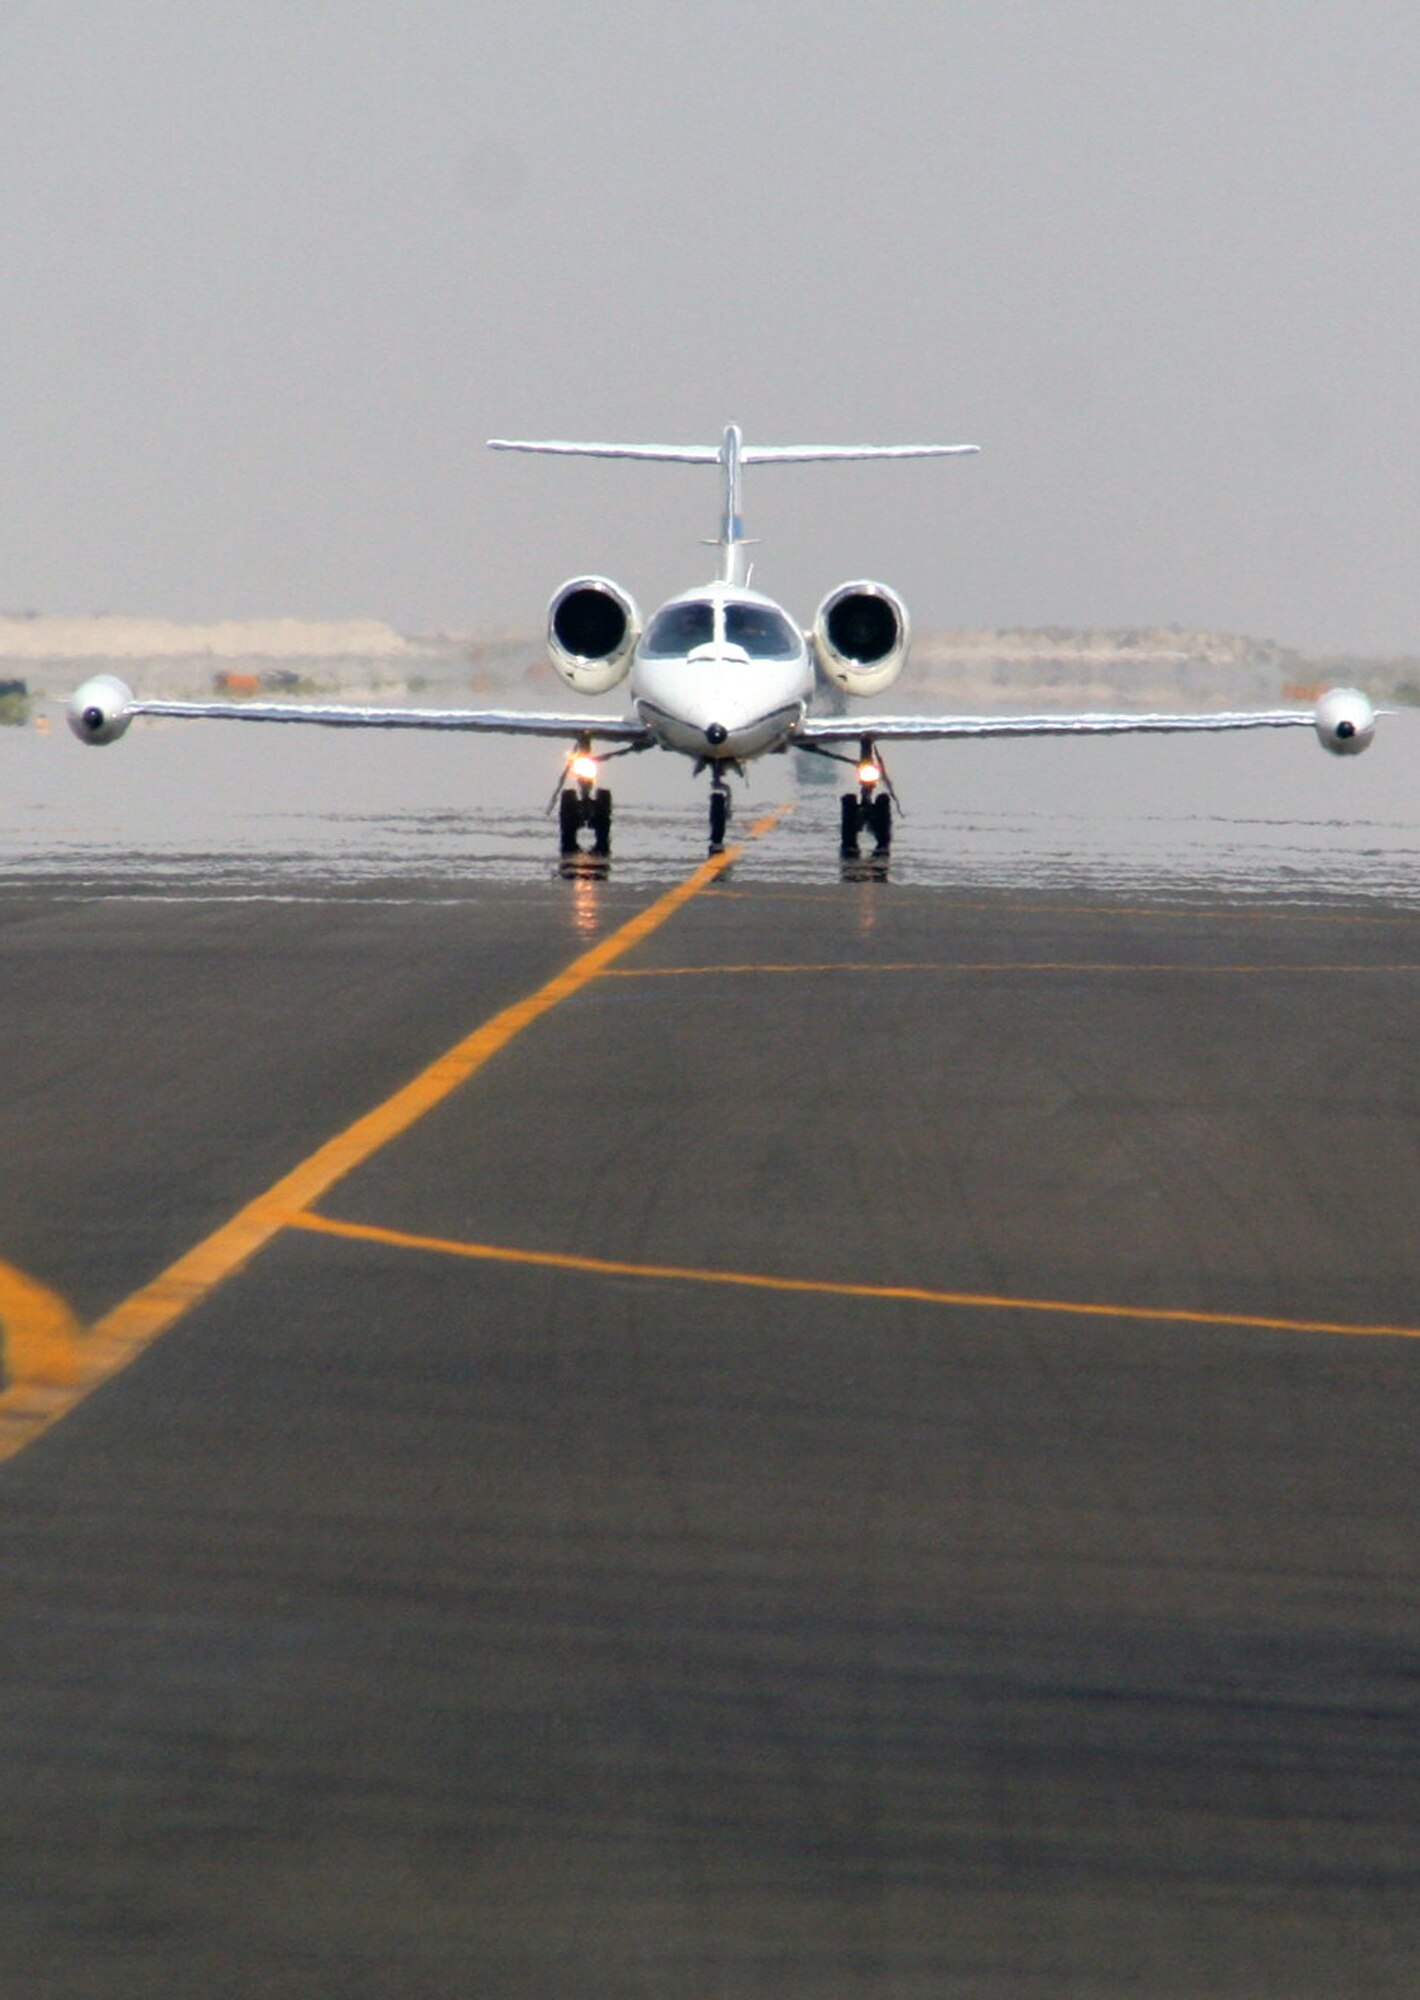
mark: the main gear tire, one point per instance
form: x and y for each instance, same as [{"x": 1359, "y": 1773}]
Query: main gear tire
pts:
[
  {"x": 569, "y": 820},
  {"x": 601, "y": 822},
  {"x": 848, "y": 827}
]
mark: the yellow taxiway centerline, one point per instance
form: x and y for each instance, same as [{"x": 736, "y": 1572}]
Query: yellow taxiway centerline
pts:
[
  {"x": 41, "y": 1334},
  {"x": 684, "y": 1274},
  {"x": 41, "y": 1351},
  {"x": 123, "y": 1333}
]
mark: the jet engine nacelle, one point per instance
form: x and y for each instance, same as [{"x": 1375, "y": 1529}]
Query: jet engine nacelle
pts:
[
  {"x": 1345, "y": 722},
  {"x": 99, "y": 709},
  {"x": 592, "y": 629},
  {"x": 860, "y": 637}
]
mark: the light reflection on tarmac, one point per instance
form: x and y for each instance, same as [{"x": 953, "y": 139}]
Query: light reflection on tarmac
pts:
[{"x": 207, "y": 808}]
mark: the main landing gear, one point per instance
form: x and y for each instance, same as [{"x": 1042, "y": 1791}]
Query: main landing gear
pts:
[
  {"x": 869, "y": 809},
  {"x": 584, "y": 803}
]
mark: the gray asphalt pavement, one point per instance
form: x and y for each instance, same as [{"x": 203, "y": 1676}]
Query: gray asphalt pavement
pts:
[{"x": 1030, "y": 1609}]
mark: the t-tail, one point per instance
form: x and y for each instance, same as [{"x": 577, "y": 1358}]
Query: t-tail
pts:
[{"x": 732, "y": 454}]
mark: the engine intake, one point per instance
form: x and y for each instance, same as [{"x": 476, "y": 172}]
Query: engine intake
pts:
[
  {"x": 860, "y": 637},
  {"x": 1345, "y": 722},
  {"x": 99, "y": 709},
  {"x": 592, "y": 629}
]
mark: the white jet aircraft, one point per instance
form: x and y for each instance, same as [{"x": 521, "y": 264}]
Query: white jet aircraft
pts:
[{"x": 721, "y": 674}]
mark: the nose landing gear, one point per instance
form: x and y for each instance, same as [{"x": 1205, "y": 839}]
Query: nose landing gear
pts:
[
  {"x": 584, "y": 803},
  {"x": 721, "y": 808},
  {"x": 869, "y": 809}
]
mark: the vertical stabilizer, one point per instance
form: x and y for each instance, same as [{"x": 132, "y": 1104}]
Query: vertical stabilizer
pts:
[{"x": 732, "y": 526}]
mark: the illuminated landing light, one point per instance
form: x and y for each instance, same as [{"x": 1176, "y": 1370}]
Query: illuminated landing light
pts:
[
  {"x": 869, "y": 773},
  {"x": 584, "y": 768}
]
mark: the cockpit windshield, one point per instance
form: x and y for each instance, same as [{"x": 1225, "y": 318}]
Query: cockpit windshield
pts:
[
  {"x": 678, "y": 629},
  {"x": 765, "y": 633}
]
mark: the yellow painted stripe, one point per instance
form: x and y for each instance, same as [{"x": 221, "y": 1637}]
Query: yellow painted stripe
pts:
[
  {"x": 113, "y": 1341},
  {"x": 40, "y": 1331},
  {"x": 991, "y": 965},
  {"x": 684, "y": 1274},
  {"x": 41, "y": 1347}
]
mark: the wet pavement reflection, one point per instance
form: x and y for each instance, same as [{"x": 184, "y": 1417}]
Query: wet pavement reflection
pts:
[{"x": 202, "y": 809}]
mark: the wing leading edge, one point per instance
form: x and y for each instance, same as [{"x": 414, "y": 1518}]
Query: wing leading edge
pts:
[
  {"x": 887, "y": 728},
  {"x": 1343, "y": 719},
  {"x": 102, "y": 709},
  {"x": 483, "y": 721}
]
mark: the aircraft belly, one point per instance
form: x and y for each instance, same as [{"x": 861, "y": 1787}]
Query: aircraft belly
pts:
[
  {"x": 741, "y": 739},
  {"x": 765, "y": 734}
]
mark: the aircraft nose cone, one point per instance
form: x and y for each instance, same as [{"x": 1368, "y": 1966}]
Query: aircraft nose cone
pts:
[{"x": 715, "y": 734}]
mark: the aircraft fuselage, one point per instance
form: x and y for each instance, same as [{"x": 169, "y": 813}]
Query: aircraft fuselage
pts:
[{"x": 721, "y": 673}]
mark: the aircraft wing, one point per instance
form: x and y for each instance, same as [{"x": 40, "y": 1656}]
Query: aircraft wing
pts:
[
  {"x": 485, "y": 721},
  {"x": 102, "y": 709},
  {"x": 815, "y": 730}
]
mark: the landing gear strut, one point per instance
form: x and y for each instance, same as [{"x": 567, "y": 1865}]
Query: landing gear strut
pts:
[
  {"x": 869, "y": 809},
  {"x": 584, "y": 803},
  {"x": 720, "y": 810}
]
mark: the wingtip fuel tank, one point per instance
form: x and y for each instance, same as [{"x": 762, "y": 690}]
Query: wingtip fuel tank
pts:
[
  {"x": 100, "y": 709},
  {"x": 1345, "y": 722}
]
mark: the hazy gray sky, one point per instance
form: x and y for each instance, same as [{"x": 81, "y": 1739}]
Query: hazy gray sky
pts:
[{"x": 273, "y": 271}]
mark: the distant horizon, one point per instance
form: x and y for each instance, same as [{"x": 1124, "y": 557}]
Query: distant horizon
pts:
[{"x": 48, "y": 636}]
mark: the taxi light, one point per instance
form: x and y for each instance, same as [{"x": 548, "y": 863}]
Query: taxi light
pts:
[
  {"x": 584, "y": 768},
  {"x": 869, "y": 773}
]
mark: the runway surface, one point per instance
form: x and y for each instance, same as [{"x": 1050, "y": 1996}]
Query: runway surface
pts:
[{"x": 863, "y": 1442}]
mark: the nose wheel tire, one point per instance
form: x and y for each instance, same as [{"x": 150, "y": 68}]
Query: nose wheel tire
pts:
[{"x": 719, "y": 819}]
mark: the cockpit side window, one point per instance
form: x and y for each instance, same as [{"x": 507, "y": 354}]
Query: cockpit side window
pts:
[
  {"x": 678, "y": 629},
  {"x": 765, "y": 633}
]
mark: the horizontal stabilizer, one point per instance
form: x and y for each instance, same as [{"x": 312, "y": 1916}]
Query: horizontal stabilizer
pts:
[
  {"x": 809, "y": 454},
  {"x": 732, "y": 454},
  {"x": 749, "y": 454},
  {"x": 688, "y": 454}
]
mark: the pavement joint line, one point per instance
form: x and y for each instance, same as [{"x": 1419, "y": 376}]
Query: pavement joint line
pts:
[
  {"x": 608, "y": 1267},
  {"x": 995, "y": 965},
  {"x": 1204, "y": 912},
  {"x": 40, "y": 1400}
]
